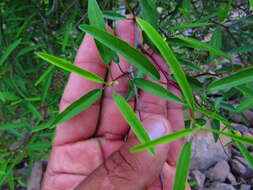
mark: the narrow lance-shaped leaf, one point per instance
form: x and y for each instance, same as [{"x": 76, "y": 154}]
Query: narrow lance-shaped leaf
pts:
[
  {"x": 183, "y": 166},
  {"x": 78, "y": 106},
  {"x": 216, "y": 41},
  {"x": 245, "y": 154},
  {"x": 236, "y": 79},
  {"x": 68, "y": 66},
  {"x": 96, "y": 19},
  {"x": 113, "y": 15},
  {"x": 132, "y": 120},
  {"x": 246, "y": 104},
  {"x": 132, "y": 55},
  {"x": 242, "y": 139},
  {"x": 187, "y": 26},
  {"x": 149, "y": 12},
  {"x": 8, "y": 51},
  {"x": 163, "y": 140},
  {"x": 157, "y": 90},
  {"x": 170, "y": 59},
  {"x": 205, "y": 46},
  {"x": 212, "y": 115}
]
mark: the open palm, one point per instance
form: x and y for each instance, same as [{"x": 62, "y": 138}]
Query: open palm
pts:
[{"x": 83, "y": 144}]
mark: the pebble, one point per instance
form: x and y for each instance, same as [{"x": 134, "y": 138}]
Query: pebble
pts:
[
  {"x": 219, "y": 172},
  {"x": 220, "y": 186},
  {"x": 240, "y": 127},
  {"x": 231, "y": 179},
  {"x": 245, "y": 187},
  {"x": 205, "y": 152},
  {"x": 199, "y": 177}
]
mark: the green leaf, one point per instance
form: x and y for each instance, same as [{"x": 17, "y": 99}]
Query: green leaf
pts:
[
  {"x": 8, "y": 51},
  {"x": 212, "y": 115},
  {"x": 132, "y": 120},
  {"x": 215, "y": 124},
  {"x": 183, "y": 166},
  {"x": 49, "y": 70},
  {"x": 78, "y": 106},
  {"x": 243, "y": 76},
  {"x": 245, "y": 154},
  {"x": 124, "y": 49},
  {"x": 157, "y": 90},
  {"x": 163, "y": 140},
  {"x": 251, "y": 4},
  {"x": 243, "y": 49},
  {"x": 204, "y": 46},
  {"x": 170, "y": 59},
  {"x": 96, "y": 19},
  {"x": 242, "y": 139},
  {"x": 9, "y": 126},
  {"x": 149, "y": 12},
  {"x": 216, "y": 41},
  {"x": 68, "y": 66},
  {"x": 190, "y": 25},
  {"x": 246, "y": 104},
  {"x": 112, "y": 15}
]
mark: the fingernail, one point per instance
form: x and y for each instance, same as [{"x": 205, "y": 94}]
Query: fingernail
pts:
[{"x": 156, "y": 127}]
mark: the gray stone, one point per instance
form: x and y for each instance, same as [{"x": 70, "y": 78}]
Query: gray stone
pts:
[
  {"x": 245, "y": 187},
  {"x": 220, "y": 186},
  {"x": 238, "y": 167},
  {"x": 231, "y": 179},
  {"x": 205, "y": 152},
  {"x": 199, "y": 177},
  {"x": 219, "y": 172}
]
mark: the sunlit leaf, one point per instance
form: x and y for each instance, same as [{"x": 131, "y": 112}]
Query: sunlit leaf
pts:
[
  {"x": 157, "y": 90},
  {"x": 170, "y": 59},
  {"x": 132, "y": 120},
  {"x": 96, "y": 19},
  {"x": 246, "y": 104},
  {"x": 183, "y": 166},
  {"x": 68, "y": 66},
  {"x": 78, "y": 106},
  {"x": 132, "y": 55},
  {"x": 163, "y": 140},
  {"x": 243, "y": 76},
  {"x": 242, "y": 139},
  {"x": 205, "y": 46}
]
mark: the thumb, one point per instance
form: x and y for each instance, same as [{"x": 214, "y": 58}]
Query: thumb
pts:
[{"x": 126, "y": 170}]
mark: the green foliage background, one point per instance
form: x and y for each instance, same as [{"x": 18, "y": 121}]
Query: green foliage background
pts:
[{"x": 30, "y": 89}]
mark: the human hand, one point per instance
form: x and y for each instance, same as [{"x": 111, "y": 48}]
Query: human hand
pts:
[{"x": 89, "y": 150}]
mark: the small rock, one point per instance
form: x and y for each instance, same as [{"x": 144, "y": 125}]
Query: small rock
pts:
[
  {"x": 238, "y": 167},
  {"x": 205, "y": 152},
  {"x": 219, "y": 172},
  {"x": 231, "y": 179},
  {"x": 245, "y": 187},
  {"x": 198, "y": 177},
  {"x": 220, "y": 186},
  {"x": 235, "y": 152}
]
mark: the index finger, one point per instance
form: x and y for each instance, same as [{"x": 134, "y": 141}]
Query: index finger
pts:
[{"x": 83, "y": 125}]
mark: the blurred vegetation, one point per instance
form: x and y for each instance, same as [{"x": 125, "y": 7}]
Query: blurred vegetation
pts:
[{"x": 30, "y": 89}]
